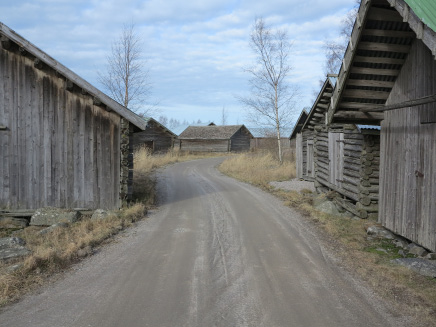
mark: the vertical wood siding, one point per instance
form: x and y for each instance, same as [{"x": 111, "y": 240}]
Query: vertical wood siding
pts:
[
  {"x": 408, "y": 148},
  {"x": 299, "y": 155},
  {"x": 154, "y": 137},
  {"x": 58, "y": 149},
  {"x": 240, "y": 141},
  {"x": 204, "y": 145}
]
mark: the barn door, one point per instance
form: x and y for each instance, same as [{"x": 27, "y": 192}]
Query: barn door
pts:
[
  {"x": 310, "y": 164},
  {"x": 336, "y": 158}
]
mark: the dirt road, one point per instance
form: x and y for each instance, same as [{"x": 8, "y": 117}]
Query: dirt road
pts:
[{"x": 217, "y": 252}]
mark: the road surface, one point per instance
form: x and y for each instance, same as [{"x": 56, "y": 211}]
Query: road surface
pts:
[{"x": 217, "y": 252}]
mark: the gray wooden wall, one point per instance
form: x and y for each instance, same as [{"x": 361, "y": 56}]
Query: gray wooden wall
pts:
[
  {"x": 57, "y": 148},
  {"x": 155, "y": 137},
  {"x": 204, "y": 145},
  {"x": 408, "y": 147},
  {"x": 240, "y": 141}
]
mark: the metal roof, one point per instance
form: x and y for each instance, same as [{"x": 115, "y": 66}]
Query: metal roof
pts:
[
  {"x": 268, "y": 132},
  {"x": 360, "y": 127},
  {"x": 425, "y": 10}
]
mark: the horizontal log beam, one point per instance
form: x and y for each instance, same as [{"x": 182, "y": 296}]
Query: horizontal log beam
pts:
[
  {"x": 388, "y": 33},
  {"x": 370, "y": 83},
  {"x": 375, "y": 71},
  {"x": 405, "y": 104},
  {"x": 359, "y": 115},
  {"x": 387, "y": 47},
  {"x": 366, "y": 94}
]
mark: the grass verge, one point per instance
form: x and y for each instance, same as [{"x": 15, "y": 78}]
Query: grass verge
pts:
[{"x": 369, "y": 259}]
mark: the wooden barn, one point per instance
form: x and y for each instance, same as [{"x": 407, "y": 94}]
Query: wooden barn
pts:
[
  {"x": 231, "y": 138},
  {"x": 156, "y": 137},
  {"x": 266, "y": 138},
  {"x": 63, "y": 143},
  {"x": 388, "y": 78}
]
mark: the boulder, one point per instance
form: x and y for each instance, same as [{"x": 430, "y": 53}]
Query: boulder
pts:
[
  {"x": 99, "y": 214},
  {"x": 50, "y": 216},
  {"x": 417, "y": 250},
  {"x": 431, "y": 256},
  {"x": 13, "y": 223},
  {"x": 328, "y": 207},
  {"x": 400, "y": 243},
  {"x": 421, "y": 266},
  {"x": 12, "y": 247},
  {"x": 380, "y": 232}
]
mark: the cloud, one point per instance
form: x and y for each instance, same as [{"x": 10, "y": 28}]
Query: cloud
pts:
[{"x": 195, "y": 49}]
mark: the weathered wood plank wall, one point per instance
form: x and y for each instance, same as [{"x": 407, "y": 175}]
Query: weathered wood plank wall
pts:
[
  {"x": 204, "y": 145},
  {"x": 408, "y": 147},
  {"x": 299, "y": 155},
  {"x": 240, "y": 142},
  {"x": 58, "y": 148},
  {"x": 154, "y": 135}
]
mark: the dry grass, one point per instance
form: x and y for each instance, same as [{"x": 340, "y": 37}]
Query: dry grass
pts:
[
  {"x": 58, "y": 249},
  {"x": 406, "y": 291},
  {"x": 258, "y": 168}
]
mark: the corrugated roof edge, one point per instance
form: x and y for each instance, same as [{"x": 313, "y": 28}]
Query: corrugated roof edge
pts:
[
  {"x": 425, "y": 10},
  {"x": 375, "y": 127},
  {"x": 92, "y": 90}
]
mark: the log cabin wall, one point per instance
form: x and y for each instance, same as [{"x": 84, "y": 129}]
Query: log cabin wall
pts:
[
  {"x": 59, "y": 147},
  {"x": 347, "y": 161},
  {"x": 408, "y": 147}
]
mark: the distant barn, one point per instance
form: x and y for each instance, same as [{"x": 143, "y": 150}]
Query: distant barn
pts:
[
  {"x": 232, "y": 138},
  {"x": 63, "y": 143},
  {"x": 266, "y": 138},
  {"x": 156, "y": 137}
]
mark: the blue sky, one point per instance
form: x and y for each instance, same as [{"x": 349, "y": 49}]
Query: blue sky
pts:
[{"x": 195, "y": 49}]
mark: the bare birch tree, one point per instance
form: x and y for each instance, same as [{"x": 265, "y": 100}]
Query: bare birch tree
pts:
[
  {"x": 272, "y": 98},
  {"x": 126, "y": 77}
]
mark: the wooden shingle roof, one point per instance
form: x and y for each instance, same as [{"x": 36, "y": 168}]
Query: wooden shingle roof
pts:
[{"x": 212, "y": 132}]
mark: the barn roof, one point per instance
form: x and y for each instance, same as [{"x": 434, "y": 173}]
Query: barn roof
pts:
[
  {"x": 212, "y": 132},
  {"x": 268, "y": 132},
  {"x": 150, "y": 120},
  {"x": 380, "y": 42},
  {"x": 299, "y": 124},
  {"x": 179, "y": 129},
  {"x": 8, "y": 35}
]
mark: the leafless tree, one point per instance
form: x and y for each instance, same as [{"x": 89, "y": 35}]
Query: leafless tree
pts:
[
  {"x": 335, "y": 49},
  {"x": 127, "y": 77},
  {"x": 272, "y": 98},
  {"x": 224, "y": 116}
]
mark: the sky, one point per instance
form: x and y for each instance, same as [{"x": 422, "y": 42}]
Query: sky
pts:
[{"x": 195, "y": 50}]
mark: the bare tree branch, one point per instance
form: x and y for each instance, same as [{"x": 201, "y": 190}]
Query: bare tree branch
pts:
[
  {"x": 272, "y": 99},
  {"x": 126, "y": 77}
]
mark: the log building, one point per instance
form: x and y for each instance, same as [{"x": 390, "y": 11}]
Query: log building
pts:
[
  {"x": 63, "y": 143},
  {"x": 156, "y": 137},
  {"x": 230, "y": 138}
]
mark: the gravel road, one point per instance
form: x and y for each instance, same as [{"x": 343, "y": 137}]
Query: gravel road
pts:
[{"x": 217, "y": 252}]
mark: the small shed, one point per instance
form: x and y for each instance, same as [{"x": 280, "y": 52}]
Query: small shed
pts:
[
  {"x": 63, "y": 143},
  {"x": 388, "y": 78},
  {"x": 156, "y": 137},
  {"x": 230, "y": 138}
]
